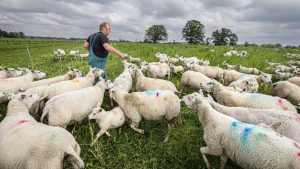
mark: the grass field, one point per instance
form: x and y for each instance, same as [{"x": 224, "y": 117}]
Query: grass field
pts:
[{"x": 127, "y": 149}]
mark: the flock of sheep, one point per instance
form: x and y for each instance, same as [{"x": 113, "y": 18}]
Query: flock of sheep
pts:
[
  {"x": 252, "y": 129},
  {"x": 58, "y": 54}
]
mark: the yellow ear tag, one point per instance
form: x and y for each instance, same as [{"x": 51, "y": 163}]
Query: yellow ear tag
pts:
[{"x": 76, "y": 81}]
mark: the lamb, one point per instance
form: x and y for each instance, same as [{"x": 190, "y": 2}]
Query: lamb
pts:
[
  {"x": 287, "y": 121},
  {"x": 176, "y": 69},
  {"x": 134, "y": 60},
  {"x": 287, "y": 90},
  {"x": 150, "y": 105},
  {"x": 294, "y": 80},
  {"x": 27, "y": 144},
  {"x": 209, "y": 71},
  {"x": 12, "y": 85},
  {"x": 107, "y": 120},
  {"x": 73, "y": 106},
  {"x": 228, "y": 66},
  {"x": 75, "y": 84},
  {"x": 145, "y": 83},
  {"x": 157, "y": 70},
  {"x": 173, "y": 60},
  {"x": 247, "y": 84},
  {"x": 247, "y": 70},
  {"x": 59, "y": 54},
  {"x": 248, "y": 145},
  {"x": 250, "y": 100}
]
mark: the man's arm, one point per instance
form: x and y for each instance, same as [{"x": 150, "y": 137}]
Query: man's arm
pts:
[
  {"x": 86, "y": 45},
  {"x": 111, "y": 49}
]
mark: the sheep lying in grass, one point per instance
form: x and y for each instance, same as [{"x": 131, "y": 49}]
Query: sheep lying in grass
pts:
[
  {"x": 284, "y": 122},
  {"x": 228, "y": 66},
  {"x": 282, "y": 75},
  {"x": 12, "y": 85},
  {"x": 248, "y": 145},
  {"x": 145, "y": 83},
  {"x": 233, "y": 75},
  {"x": 156, "y": 70},
  {"x": 73, "y": 106},
  {"x": 287, "y": 90},
  {"x": 251, "y": 100},
  {"x": 247, "y": 70},
  {"x": 150, "y": 105},
  {"x": 27, "y": 144},
  {"x": 246, "y": 84},
  {"x": 294, "y": 80},
  {"x": 11, "y": 72},
  {"x": 272, "y": 64},
  {"x": 58, "y": 54},
  {"x": 209, "y": 71},
  {"x": 107, "y": 119},
  {"x": 75, "y": 84}
]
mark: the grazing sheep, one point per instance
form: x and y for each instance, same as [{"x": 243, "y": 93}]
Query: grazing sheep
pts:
[
  {"x": 12, "y": 85},
  {"x": 247, "y": 70},
  {"x": 272, "y": 64},
  {"x": 58, "y": 54},
  {"x": 75, "y": 84},
  {"x": 150, "y": 105},
  {"x": 228, "y": 66},
  {"x": 163, "y": 58},
  {"x": 287, "y": 90},
  {"x": 123, "y": 81},
  {"x": 193, "y": 79},
  {"x": 27, "y": 144},
  {"x": 251, "y": 100},
  {"x": 294, "y": 80},
  {"x": 247, "y": 84},
  {"x": 145, "y": 83},
  {"x": 82, "y": 56},
  {"x": 176, "y": 69},
  {"x": 133, "y": 60},
  {"x": 73, "y": 106},
  {"x": 287, "y": 121},
  {"x": 74, "y": 53},
  {"x": 233, "y": 75},
  {"x": 185, "y": 61},
  {"x": 248, "y": 145},
  {"x": 282, "y": 75},
  {"x": 209, "y": 71},
  {"x": 173, "y": 60},
  {"x": 107, "y": 119},
  {"x": 230, "y": 53},
  {"x": 156, "y": 70}
]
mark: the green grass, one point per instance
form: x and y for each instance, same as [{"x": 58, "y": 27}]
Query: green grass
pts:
[{"x": 126, "y": 148}]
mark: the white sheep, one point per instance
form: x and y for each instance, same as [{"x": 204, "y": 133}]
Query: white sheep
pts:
[
  {"x": 228, "y": 66},
  {"x": 82, "y": 56},
  {"x": 107, "y": 119},
  {"x": 173, "y": 60},
  {"x": 272, "y": 64},
  {"x": 161, "y": 57},
  {"x": 133, "y": 60},
  {"x": 145, "y": 83},
  {"x": 294, "y": 80},
  {"x": 287, "y": 90},
  {"x": 11, "y": 72},
  {"x": 123, "y": 81},
  {"x": 58, "y": 54},
  {"x": 247, "y": 70},
  {"x": 193, "y": 79},
  {"x": 176, "y": 69},
  {"x": 75, "y": 84},
  {"x": 251, "y": 100},
  {"x": 248, "y": 145},
  {"x": 150, "y": 105},
  {"x": 230, "y": 53},
  {"x": 156, "y": 70},
  {"x": 209, "y": 71},
  {"x": 282, "y": 75},
  {"x": 12, "y": 85},
  {"x": 74, "y": 53},
  {"x": 247, "y": 84},
  {"x": 73, "y": 106},
  {"x": 185, "y": 61},
  {"x": 287, "y": 121},
  {"x": 27, "y": 144}
]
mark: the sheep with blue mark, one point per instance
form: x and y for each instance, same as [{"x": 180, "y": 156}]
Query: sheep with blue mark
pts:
[
  {"x": 27, "y": 144},
  {"x": 287, "y": 90},
  {"x": 150, "y": 105},
  {"x": 248, "y": 145},
  {"x": 251, "y": 100}
]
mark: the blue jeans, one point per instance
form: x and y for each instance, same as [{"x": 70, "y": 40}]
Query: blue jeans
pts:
[{"x": 95, "y": 61}]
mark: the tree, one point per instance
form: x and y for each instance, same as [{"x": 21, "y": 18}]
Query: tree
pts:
[
  {"x": 224, "y": 37},
  {"x": 193, "y": 32},
  {"x": 156, "y": 33}
]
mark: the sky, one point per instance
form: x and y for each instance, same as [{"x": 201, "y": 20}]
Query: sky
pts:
[{"x": 255, "y": 21}]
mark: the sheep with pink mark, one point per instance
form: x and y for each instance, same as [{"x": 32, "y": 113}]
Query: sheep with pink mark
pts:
[
  {"x": 251, "y": 100},
  {"x": 248, "y": 145},
  {"x": 107, "y": 119},
  {"x": 287, "y": 90},
  {"x": 150, "y": 105},
  {"x": 27, "y": 144}
]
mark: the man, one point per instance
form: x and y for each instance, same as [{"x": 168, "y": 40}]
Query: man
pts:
[{"x": 99, "y": 48}]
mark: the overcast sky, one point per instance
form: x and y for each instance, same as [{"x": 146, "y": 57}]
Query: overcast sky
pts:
[{"x": 255, "y": 21}]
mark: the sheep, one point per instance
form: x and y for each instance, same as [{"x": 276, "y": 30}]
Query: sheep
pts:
[
  {"x": 294, "y": 80},
  {"x": 247, "y": 70},
  {"x": 288, "y": 121},
  {"x": 287, "y": 90},
  {"x": 242, "y": 53},
  {"x": 247, "y": 84},
  {"x": 156, "y": 70},
  {"x": 27, "y": 144},
  {"x": 82, "y": 56},
  {"x": 11, "y": 72},
  {"x": 123, "y": 81},
  {"x": 176, "y": 69},
  {"x": 145, "y": 83},
  {"x": 133, "y": 60},
  {"x": 127, "y": 64},
  {"x": 5, "y": 97},
  {"x": 107, "y": 120},
  {"x": 251, "y": 100},
  {"x": 204, "y": 62},
  {"x": 74, "y": 53},
  {"x": 250, "y": 146},
  {"x": 75, "y": 84},
  {"x": 292, "y": 55},
  {"x": 272, "y": 64},
  {"x": 58, "y": 54},
  {"x": 73, "y": 106},
  {"x": 150, "y": 105},
  {"x": 228, "y": 66},
  {"x": 163, "y": 58},
  {"x": 12, "y": 85},
  {"x": 173, "y": 60},
  {"x": 193, "y": 79},
  {"x": 185, "y": 61},
  {"x": 282, "y": 75},
  {"x": 230, "y": 53},
  {"x": 209, "y": 71}
]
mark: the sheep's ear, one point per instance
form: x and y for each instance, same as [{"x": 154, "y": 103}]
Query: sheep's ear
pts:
[
  {"x": 201, "y": 92},
  {"x": 98, "y": 105},
  {"x": 275, "y": 125},
  {"x": 10, "y": 96},
  {"x": 23, "y": 96},
  {"x": 247, "y": 82},
  {"x": 21, "y": 90}
]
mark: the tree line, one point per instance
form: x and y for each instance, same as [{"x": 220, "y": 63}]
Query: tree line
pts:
[{"x": 11, "y": 34}]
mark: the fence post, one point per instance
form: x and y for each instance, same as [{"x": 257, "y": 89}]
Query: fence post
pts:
[{"x": 30, "y": 58}]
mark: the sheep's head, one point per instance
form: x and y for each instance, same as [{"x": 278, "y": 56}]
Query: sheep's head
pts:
[
  {"x": 27, "y": 98},
  {"x": 108, "y": 84},
  {"x": 11, "y": 72},
  {"x": 38, "y": 75},
  {"x": 4, "y": 96},
  {"x": 96, "y": 112},
  {"x": 132, "y": 70},
  {"x": 74, "y": 73},
  {"x": 266, "y": 78},
  {"x": 144, "y": 66},
  {"x": 195, "y": 99},
  {"x": 190, "y": 64},
  {"x": 97, "y": 72},
  {"x": 209, "y": 85}
]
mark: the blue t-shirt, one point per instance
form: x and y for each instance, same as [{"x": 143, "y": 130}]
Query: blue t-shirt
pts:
[{"x": 98, "y": 39}]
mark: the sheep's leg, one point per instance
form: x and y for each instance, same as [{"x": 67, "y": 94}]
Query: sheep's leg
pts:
[
  {"x": 107, "y": 133},
  {"x": 101, "y": 132},
  {"x": 170, "y": 127},
  {"x": 134, "y": 126},
  {"x": 207, "y": 150},
  {"x": 224, "y": 159}
]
